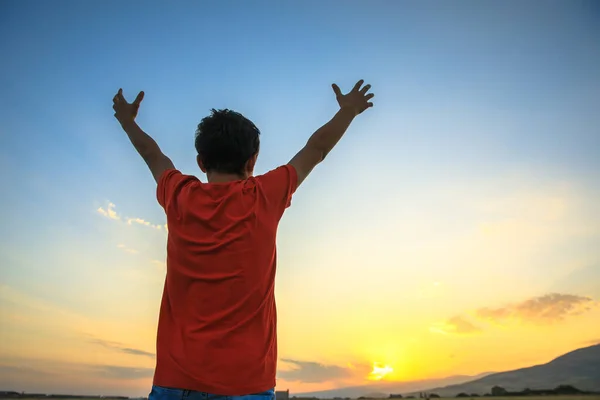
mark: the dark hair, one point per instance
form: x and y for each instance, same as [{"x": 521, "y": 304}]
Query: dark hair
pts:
[{"x": 225, "y": 141}]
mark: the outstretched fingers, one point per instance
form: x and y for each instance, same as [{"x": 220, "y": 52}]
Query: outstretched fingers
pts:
[
  {"x": 358, "y": 97},
  {"x": 367, "y": 96},
  {"x": 139, "y": 98},
  {"x": 336, "y": 90},
  {"x": 119, "y": 97},
  {"x": 358, "y": 85}
]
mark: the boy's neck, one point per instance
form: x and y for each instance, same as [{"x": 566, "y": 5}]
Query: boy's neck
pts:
[{"x": 217, "y": 177}]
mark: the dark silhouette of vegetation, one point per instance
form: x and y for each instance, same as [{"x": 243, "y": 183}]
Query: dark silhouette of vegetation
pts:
[
  {"x": 559, "y": 390},
  {"x": 498, "y": 391},
  {"x": 17, "y": 395}
]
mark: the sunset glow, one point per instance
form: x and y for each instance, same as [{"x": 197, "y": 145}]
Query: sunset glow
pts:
[
  {"x": 453, "y": 231},
  {"x": 380, "y": 371}
]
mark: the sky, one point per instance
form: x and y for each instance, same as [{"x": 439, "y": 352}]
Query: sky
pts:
[{"x": 454, "y": 230}]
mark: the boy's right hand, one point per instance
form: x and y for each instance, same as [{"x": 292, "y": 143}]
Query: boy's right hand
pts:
[
  {"x": 124, "y": 111},
  {"x": 356, "y": 100}
]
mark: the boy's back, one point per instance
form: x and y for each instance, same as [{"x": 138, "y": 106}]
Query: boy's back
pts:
[
  {"x": 217, "y": 334},
  {"x": 217, "y": 325}
]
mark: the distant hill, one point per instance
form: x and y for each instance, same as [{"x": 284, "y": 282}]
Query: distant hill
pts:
[
  {"x": 579, "y": 368},
  {"x": 383, "y": 388}
]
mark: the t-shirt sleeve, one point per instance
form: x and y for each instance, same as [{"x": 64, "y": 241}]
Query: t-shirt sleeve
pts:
[
  {"x": 169, "y": 184},
  {"x": 279, "y": 185}
]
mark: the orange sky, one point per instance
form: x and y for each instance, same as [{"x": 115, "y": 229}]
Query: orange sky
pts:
[
  {"x": 428, "y": 307},
  {"x": 454, "y": 230}
]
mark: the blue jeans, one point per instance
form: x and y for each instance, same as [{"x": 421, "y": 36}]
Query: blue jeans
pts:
[{"x": 163, "y": 393}]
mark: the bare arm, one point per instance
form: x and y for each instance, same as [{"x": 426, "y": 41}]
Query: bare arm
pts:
[
  {"x": 148, "y": 149},
  {"x": 143, "y": 143},
  {"x": 326, "y": 137},
  {"x": 321, "y": 143}
]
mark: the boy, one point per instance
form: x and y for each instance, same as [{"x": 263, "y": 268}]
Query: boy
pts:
[{"x": 217, "y": 325}]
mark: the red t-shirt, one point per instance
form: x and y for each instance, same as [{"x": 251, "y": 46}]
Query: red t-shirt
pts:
[{"x": 217, "y": 329}]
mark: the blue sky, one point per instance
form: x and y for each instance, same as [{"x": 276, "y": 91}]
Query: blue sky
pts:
[{"x": 484, "y": 112}]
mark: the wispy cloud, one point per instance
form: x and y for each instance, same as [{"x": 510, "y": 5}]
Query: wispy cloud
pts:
[
  {"x": 546, "y": 309},
  {"x": 46, "y": 376},
  {"x": 456, "y": 325},
  {"x": 124, "y": 373},
  {"x": 109, "y": 212},
  {"x": 121, "y": 347},
  {"x": 313, "y": 372},
  {"x": 542, "y": 310},
  {"x": 140, "y": 221}
]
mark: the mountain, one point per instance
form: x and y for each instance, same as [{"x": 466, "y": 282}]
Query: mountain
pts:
[
  {"x": 579, "y": 368},
  {"x": 383, "y": 389}
]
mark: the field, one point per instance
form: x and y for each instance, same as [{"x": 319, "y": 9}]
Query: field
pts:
[
  {"x": 550, "y": 397},
  {"x": 568, "y": 397},
  {"x": 573, "y": 397}
]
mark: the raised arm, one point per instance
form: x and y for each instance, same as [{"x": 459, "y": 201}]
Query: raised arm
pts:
[
  {"x": 326, "y": 137},
  {"x": 125, "y": 113}
]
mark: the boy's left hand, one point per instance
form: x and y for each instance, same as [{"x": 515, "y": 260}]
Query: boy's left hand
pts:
[
  {"x": 124, "y": 111},
  {"x": 356, "y": 100}
]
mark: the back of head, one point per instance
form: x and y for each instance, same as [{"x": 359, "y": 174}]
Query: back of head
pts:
[{"x": 225, "y": 142}]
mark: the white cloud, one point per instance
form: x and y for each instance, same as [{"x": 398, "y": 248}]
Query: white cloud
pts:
[
  {"x": 109, "y": 212},
  {"x": 143, "y": 222}
]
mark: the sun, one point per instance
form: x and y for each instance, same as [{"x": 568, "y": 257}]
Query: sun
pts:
[{"x": 380, "y": 371}]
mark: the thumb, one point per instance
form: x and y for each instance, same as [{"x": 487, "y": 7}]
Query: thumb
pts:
[
  {"x": 336, "y": 90},
  {"x": 139, "y": 98}
]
